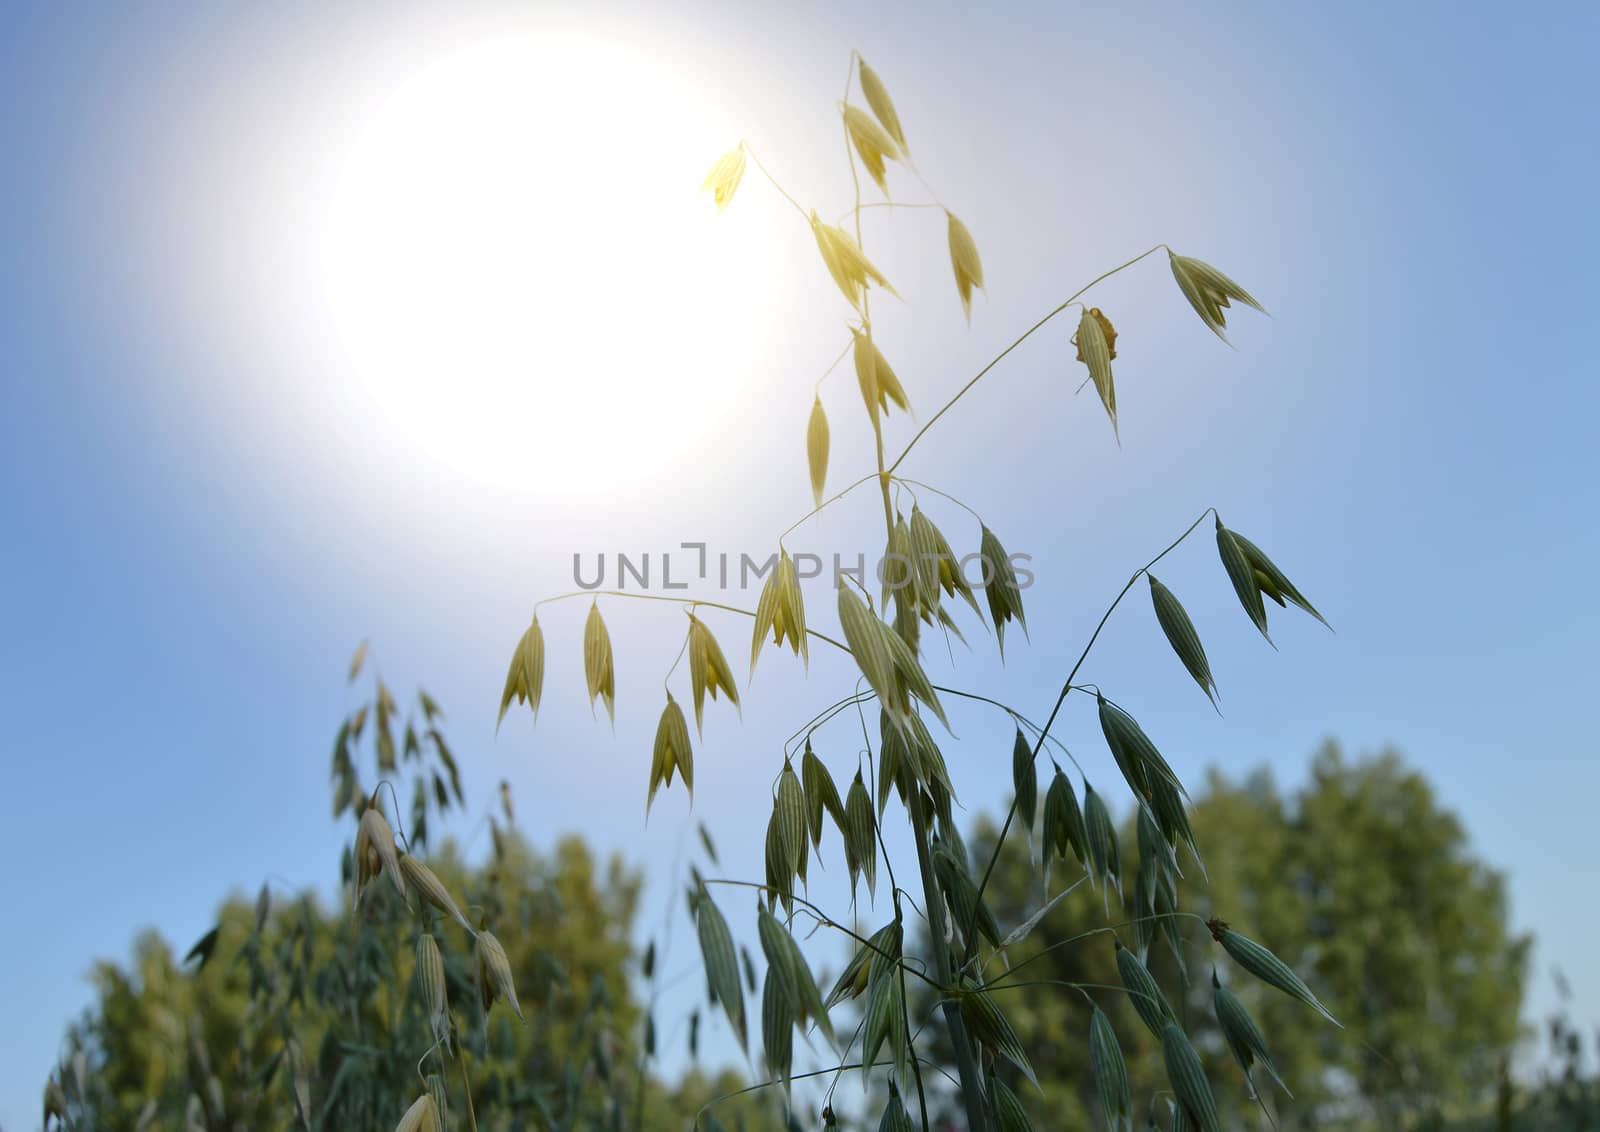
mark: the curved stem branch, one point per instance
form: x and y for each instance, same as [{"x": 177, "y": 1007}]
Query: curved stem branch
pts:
[
  {"x": 1025, "y": 335},
  {"x": 774, "y": 181},
  {"x": 685, "y": 601},
  {"x": 1054, "y": 711}
]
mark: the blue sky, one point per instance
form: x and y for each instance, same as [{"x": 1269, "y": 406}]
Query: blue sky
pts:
[{"x": 201, "y": 521}]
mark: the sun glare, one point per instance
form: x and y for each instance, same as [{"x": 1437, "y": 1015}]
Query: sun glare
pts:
[{"x": 508, "y": 267}]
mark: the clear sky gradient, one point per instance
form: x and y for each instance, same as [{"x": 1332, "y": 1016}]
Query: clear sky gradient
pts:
[{"x": 220, "y": 466}]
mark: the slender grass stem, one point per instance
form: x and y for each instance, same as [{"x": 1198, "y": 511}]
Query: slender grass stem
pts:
[{"x": 1023, "y": 337}]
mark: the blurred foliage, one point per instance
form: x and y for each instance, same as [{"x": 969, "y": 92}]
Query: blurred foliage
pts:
[
  {"x": 1358, "y": 880},
  {"x": 356, "y": 1012},
  {"x": 291, "y": 1015}
]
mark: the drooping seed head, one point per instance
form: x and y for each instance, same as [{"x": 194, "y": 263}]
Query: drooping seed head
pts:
[{"x": 724, "y": 178}]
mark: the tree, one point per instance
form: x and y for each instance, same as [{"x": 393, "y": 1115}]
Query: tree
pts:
[{"x": 1365, "y": 885}]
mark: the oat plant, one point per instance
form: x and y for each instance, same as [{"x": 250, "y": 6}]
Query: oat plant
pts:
[
  {"x": 927, "y": 588},
  {"x": 422, "y": 978}
]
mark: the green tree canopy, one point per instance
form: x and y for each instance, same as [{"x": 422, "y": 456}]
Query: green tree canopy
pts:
[
  {"x": 162, "y": 1030},
  {"x": 1359, "y": 881}
]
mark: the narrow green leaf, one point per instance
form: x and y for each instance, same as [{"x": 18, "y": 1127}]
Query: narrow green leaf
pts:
[
  {"x": 749, "y": 969},
  {"x": 706, "y": 842},
  {"x": 1021, "y": 932},
  {"x": 203, "y": 948}
]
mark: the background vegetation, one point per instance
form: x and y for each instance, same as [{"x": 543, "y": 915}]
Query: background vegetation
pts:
[{"x": 1397, "y": 925}]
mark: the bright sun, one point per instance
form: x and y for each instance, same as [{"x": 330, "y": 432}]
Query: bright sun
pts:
[{"x": 505, "y": 266}]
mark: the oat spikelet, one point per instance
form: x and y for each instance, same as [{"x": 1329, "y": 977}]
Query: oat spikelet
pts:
[
  {"x": 877, "y": 96},
  {"x": 422, "y": 1116},
  {"x": 871, "y": 142},
  {"x": 848, "y": 265},
  {"x": 1094, "y": 341},
  {"x": 525, "y": 676},
  {"x": 375, "y": 852},
  {"x": 879, "y": 385},
  {"x": 494, "y": 973},
  {"x": 598, "y": 665},
  {"x": 708, "y": 670},
  {"x": 431, "y": 986},
  {"x": 431, "y": 888},
  {"x": 780, "y": 611},
  {"x": 671, "y": 753},
  {"x": 1107, "y": 331},
  {"x": 1208, "y": 291},
  {"x": 440, "y": 1100},
  {"x": 723, "y": 180},
  {"x": 817, "y": 449},
  {"x": 964, "y": 261}
]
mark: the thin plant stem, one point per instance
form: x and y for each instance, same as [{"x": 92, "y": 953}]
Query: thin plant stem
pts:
[
  {"x": 685, "y": 601},
  {"x": 1015, "y": 715},
  {"x": 966, "y": 1062},
  {"x": 942, "y": 494},
  {"x": 765, "y": 173},
  {"x": 466, "y": 1086},
  {"x": 1067, "y": 687},
  {"x": 683, "y": 648},
  {"x": 827, "y": 372},
  {"x": 824, "y": 505},
  {"x": 1023, "y": 337}
]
